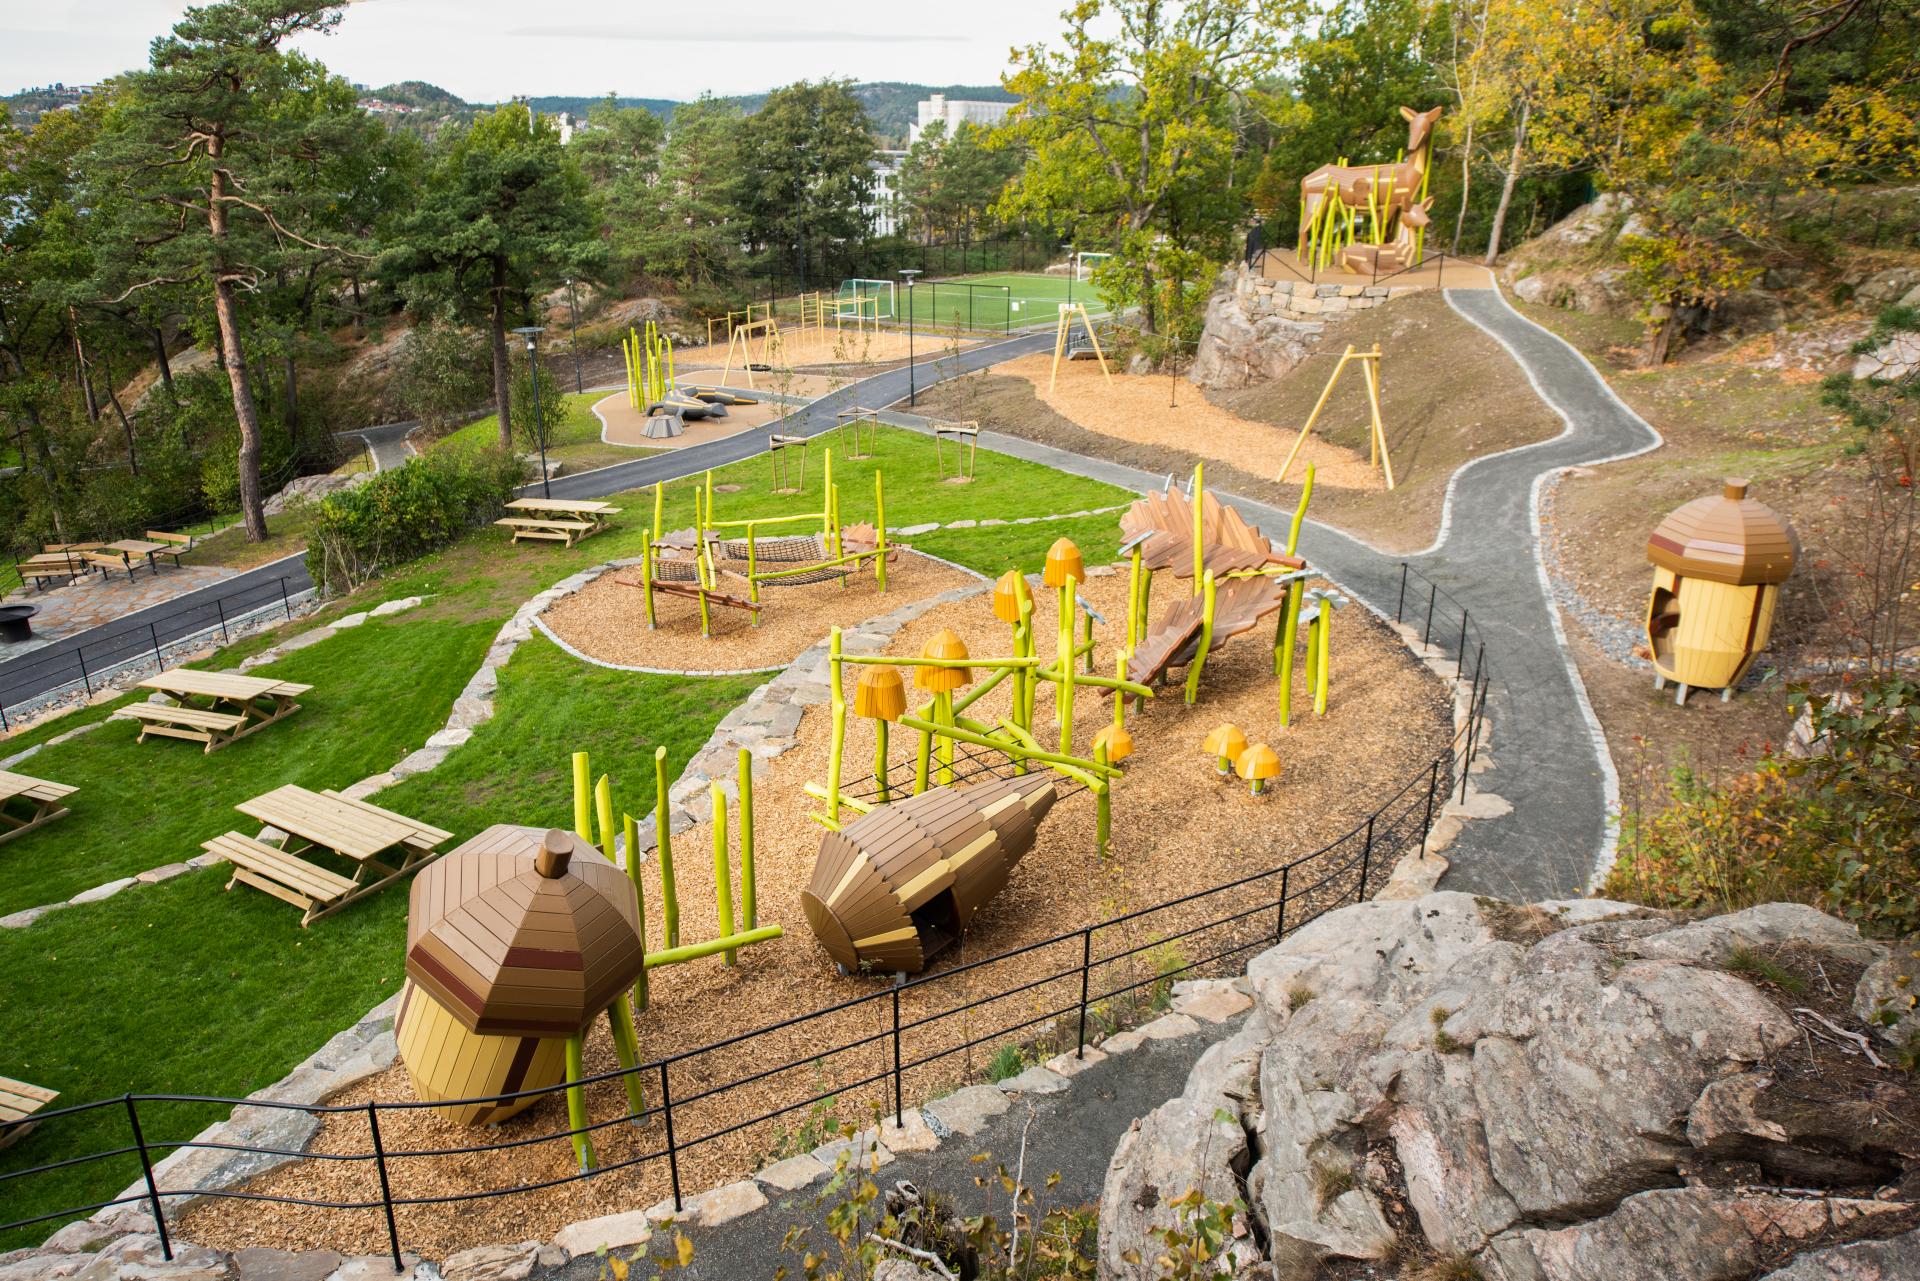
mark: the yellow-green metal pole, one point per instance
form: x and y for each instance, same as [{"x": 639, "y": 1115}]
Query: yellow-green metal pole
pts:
[
  {"x": 1323, "y": 625},
  {"x": 1063, "y": 686},
  {"x": 749, "y": 904},
  {"x": 725, "y": 943},
  {"x": 1103, "y": 802},
  {"x": 1206, "y": 639},
  {"x": 626, "y": 1050},
  {"x": 663, "y": 845},
  {"x": 630, "y": 831},
  {"x": 577, "y": 1106},
  {"x": 1119, "y": 696},
  {"x": 880, "y": 759},
  {"x": 722, "y": 870},
  {"x": 646, "y": 574},
  {"x": 1300, "y": 513},
  {"x": 921, "y": 760},
  {"x": 659, "y": 509},
  {"x": 943, "y": 715},
  {"x": 582, "y": 799},
  {"x": 1283, "y": 647},
  {"x": 836, "y": 692},
  {"x": 603, "y": 811}
]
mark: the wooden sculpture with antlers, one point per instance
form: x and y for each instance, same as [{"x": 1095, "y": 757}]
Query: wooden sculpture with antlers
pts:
[{"x": 1333, "y": 197}]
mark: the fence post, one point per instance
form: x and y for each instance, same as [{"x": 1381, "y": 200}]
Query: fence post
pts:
[
  {"x": 386, "y": 1189},
  {"x": 221, "y": 610},
  {"x": 673, "y": 1157},
  {"x": 146, "y": 1172},
  {"x": 899, "y": 1106},
  {"x": 1460, "y": 650},
  {"x": 286, "y": 601},
  {"x": 1476, "y": 705},
  {"x": 1086, "y": 964},
  {"x": 1398, "y": 604},
  {"x": 1280, "y": 925},
  {"x": 1433, "y": 594},
  {"x": 154, "y": 635},
  {"x": 1366, "y": 860},
  {"x": 1433, "y": 788},
  {"x": 81, "y": 654}
]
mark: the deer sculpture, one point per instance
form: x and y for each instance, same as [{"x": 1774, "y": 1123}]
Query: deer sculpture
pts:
[
  {"x": 1333, "y": 197},
  {"x": 1398, "y": 254}
]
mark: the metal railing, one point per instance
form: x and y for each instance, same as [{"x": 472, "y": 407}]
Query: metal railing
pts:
[
  {"x": 893, "y": 1041},
  {"x": 93, "y": 664}
]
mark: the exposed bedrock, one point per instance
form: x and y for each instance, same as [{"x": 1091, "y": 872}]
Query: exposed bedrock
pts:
[{"x": 1562, "y": 1092}]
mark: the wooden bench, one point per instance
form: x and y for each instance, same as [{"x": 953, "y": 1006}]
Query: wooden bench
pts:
[
  {"x": 52, "y": 565},
  {"x": 18, "y": 1104},
  {"x": 287, "y": 877},
  {"x": 562, "y": 531},
  {"x": 215, "y": 729},
  {"x": 41, "y": 797},
  {"x": 178, "y": 544}
]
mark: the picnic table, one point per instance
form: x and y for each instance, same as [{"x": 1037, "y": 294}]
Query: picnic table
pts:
[
  {"x": 123, "y": 554},
  {"x": 565, "y": 520},
  {"x": 359, "y": 832},
  {"x": 231, "y": 706},
  {"x": 38, "y": 797},
  {"x": 19, "y": 1102}
]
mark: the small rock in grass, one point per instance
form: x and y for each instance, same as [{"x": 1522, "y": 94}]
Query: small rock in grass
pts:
[
  {"x": 154, "y": 876},
  {"x": 350, "y": 621},
  {"x": 100, "y": 892}
]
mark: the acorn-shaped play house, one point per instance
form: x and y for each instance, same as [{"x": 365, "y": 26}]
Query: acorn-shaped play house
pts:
[
  {"x": 1717, "y": 568},
  {"x": 896, "y": 886},
  {"x": 516, "y": 941}
]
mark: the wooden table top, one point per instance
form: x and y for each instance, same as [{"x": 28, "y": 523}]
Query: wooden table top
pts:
[
  {"x": 12, "y": 785},
  {"x": 560, "y": 505},
  {"x": 360, "y": 832},
  {"x": 185, "y": 680},
  {"x": 136, "y": 546}
]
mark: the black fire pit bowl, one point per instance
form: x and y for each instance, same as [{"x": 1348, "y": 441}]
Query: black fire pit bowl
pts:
[{"x": 14, "y": 624}]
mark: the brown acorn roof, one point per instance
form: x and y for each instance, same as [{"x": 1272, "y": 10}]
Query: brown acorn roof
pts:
[
  {"x": 517, "y": 942},
  {"x": 1727, "y": 538}
]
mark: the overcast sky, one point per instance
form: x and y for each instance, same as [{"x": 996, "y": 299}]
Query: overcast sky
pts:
[{"x": 488, "y": 50}]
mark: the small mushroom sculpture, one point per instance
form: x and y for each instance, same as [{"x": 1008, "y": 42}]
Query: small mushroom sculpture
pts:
[
  {"x": 1225, "y": 744},
  {"x": 1118, "y": 741},
  {"x": 1258, "y": 764},
  {"x": 947, "y": 646},
  {"x": 880, "y": 696}
]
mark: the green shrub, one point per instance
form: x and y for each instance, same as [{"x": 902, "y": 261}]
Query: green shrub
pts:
[
  {"x": 407, "y": 512},
  {"x": 1837, "y": 829}
]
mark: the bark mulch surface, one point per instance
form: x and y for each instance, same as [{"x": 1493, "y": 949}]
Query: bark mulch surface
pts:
[
  {"x": 1448, "y": 394},
  {"x": 1176, "y": 830},
  {"x": 607, "y": 619}
]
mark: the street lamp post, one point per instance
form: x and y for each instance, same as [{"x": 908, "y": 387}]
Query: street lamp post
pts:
[
  {"x": 532, "y": 335},
  {"x": 912, "y": 386},
  {"x": 573, "y": 325}
]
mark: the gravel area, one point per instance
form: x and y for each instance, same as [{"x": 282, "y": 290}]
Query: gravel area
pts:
[{"x": 1175, "y": 829}]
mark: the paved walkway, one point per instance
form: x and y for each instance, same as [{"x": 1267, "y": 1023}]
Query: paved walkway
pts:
[
  {"x": 387, "y": 443},
  {"x": 1073, "y": 1135}
]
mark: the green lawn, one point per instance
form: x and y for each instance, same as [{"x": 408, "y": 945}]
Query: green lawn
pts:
[
  {"x": 573, "y": 435},
  {"x": 178, "y": 987},
  {"x": 1027, "y": 298}
]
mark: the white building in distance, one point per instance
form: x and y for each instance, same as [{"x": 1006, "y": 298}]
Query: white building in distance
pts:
[{"x": 953, "y": 112}]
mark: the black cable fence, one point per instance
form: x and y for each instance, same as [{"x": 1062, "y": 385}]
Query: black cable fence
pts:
[
  {"x": 711, "y": 1110},
  {"x": 191, "y": 622}
]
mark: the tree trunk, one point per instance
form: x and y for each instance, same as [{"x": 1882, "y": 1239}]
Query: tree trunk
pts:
[
  {"x": 80, "y": 368},
  {"x": 1466, "y": 185},
  {"x": 126, "y": 424},
  {"x": 1506, "y": 187},
  {"x": 227, "y": 313},
  {"x": 501, "y": 380},
  {"x": 160, "y": 358},
  {"x": 290, "y": 403}
]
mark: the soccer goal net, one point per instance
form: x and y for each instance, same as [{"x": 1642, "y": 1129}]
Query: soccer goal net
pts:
[
  {"x": 1084, "y": 264},
  {"x": 871, "y": 299}
]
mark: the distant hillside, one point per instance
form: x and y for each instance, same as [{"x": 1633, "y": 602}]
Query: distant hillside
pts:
[{"x": 580, "y": 106}]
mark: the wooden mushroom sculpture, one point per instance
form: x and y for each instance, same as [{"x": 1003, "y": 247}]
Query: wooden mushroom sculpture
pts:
[
  {"x": 1225, "y": 744},
  {"x": 1118, "y": 740},
  {"x": 516, "y": 942},
  {"x": 881, "y": 696},
  {"x": 1258, "y": 764},
  {"x": 950, "y": 653}
]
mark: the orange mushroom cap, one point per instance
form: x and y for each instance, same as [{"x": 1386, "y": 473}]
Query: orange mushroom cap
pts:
[
  {"x": 1118, "y": 741},
  {"x": 1006, "y": 597},
  {"x": 1063, "y": 563},
  {"x": 948, "y": 645},
  {"x": 1225, "y": 740},
  {"x": 880, "y": 694},
  {"x": 1258, "y": 761}
]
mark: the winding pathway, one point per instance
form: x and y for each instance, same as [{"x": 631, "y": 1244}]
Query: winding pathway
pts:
[{"x": 1548, "y": 755}]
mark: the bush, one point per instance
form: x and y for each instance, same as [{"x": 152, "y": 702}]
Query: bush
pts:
[
  {"x": 443, "y": 374},
  {"x": 1839, "y": 829},
  {"x": 405, "y": 513}
]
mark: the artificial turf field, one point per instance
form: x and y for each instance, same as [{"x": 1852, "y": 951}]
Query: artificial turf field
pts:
[{"x": 996, "y": 300}]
